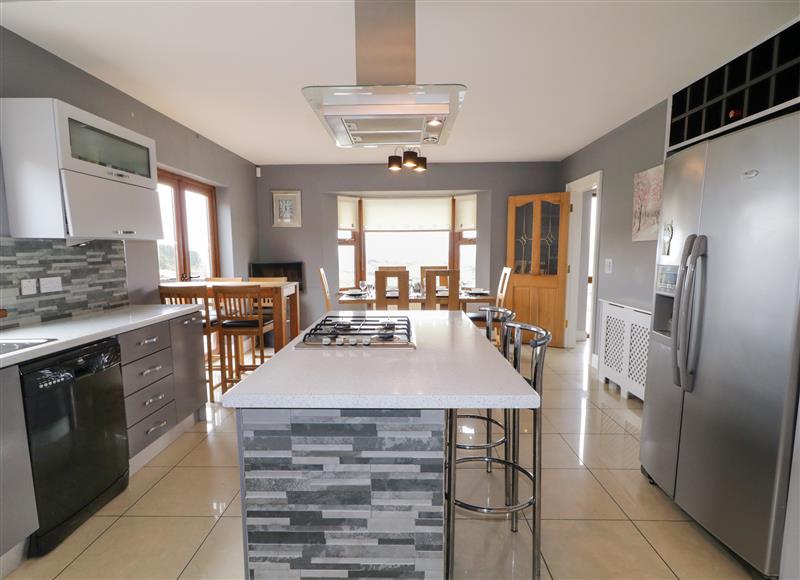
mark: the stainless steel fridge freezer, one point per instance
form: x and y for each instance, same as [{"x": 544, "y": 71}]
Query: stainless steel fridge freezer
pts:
[{"x": 722, "y": 380}]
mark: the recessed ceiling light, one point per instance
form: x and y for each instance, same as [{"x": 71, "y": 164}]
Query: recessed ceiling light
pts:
[
  {"x": 435, "y": 122},
  {"x": 431, "y": 139}
]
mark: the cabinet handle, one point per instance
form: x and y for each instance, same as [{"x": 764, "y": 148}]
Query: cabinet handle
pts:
[
  {"x": 119, "y": 174},
  {"x": 125, "y": 232},
  {"x": 155, "y": 399},
  {"x": 193, "y": 319},
  {"x": 146, "y": 341},
  {"x": 154, "y": 369},
  {"x": 156, "y": 427}
]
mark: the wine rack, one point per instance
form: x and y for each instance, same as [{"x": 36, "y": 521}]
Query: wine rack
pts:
[{"x": 764, "y": 78}]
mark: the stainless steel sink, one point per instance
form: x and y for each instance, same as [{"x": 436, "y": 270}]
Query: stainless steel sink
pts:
[{"x": 8, "y": 346}]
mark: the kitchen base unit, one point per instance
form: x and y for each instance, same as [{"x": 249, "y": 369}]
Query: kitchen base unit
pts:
[{"x": 347, "y": 490}]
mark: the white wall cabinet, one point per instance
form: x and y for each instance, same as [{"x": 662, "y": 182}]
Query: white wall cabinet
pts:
[
  {"x": 70, "y": 174},
  {"x": 624, "y": 340}
]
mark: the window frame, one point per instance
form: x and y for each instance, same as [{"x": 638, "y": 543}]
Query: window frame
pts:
[
  {"x": 180, "y": 184},
  {"x": 456, "y": 239}
]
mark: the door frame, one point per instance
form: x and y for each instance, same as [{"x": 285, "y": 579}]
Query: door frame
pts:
[{"x": 576, "y": 190}]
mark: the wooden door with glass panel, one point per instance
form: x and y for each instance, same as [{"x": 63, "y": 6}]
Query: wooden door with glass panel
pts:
[{"x": 536, "y": 252}]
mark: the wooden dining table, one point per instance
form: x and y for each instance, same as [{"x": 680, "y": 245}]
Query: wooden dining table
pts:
[
  {"x": 464, "y": 298},
  {"x": 285, "y": 298}
]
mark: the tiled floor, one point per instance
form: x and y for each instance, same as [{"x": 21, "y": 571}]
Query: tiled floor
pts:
[{"x": 181, "y": 517}]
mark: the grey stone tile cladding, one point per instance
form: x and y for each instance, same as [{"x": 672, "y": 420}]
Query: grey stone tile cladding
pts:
[
  {"x": 93, "y": 278},
  {"x": 350, "y": 493}
]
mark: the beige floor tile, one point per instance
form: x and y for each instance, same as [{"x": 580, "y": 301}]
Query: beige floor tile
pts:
[
  {"x": 139, "y": 484},
  {"x": 487, "y": 548},
  {"x": 575, "y": 494},
  {"x": 567, "y": 399},
  {"x": 583, "y": 380},
  {"x": 221, "y": 555},
  {"x": 216, "y": 450},
  {"x": 589, "y": 420},
  {"x": 690, "y": 551},
  {"x": 629, "y": 419},
  {"x": 51, "y": 564},
  {"x": 477, "y": 487},
  {"x": 638, "y": 498},
  {"x": 609, "y": 397},
  {"x": 177, "y": 450},
  {"x": 142, "y": 548},
  {"x": 577, "y": 549},
  {"x": 555, "y": 452},
  {"x": 228, "y": 425},
  {"x": 190, "y": 491},
  {"x": 605, "y": 451},
  {"x": 235, "y": 508}
]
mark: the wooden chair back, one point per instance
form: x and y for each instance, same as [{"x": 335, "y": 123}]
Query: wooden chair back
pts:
[
  {"x": 502, "y": 287},
  {"x": 391, "y": 268},
  {"x": 187, "y": 295},
  {"x": 326, "y": 291},
  {"x": 452, "y": 279},
  {"x": 218, "y": 279},
  {"x": 440, "y": 281},
  {"x": 381, "y": 285},
  {"x": 238, "y": 303},
  {"x": 270, "y": 279}
]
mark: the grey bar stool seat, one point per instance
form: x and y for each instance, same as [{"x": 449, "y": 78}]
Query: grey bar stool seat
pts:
[{"x": 511, "y": 346}]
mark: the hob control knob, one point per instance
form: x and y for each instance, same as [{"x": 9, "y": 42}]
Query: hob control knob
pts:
[
  {"x": 326, "y": 341},
  {"x": 339, "y": 340},
  {"x": 365, "y": 341},
  {"x": 353, "y": 341}
]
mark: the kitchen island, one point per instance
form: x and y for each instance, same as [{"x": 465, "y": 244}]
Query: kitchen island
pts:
[{"x": 342, "y": 448}]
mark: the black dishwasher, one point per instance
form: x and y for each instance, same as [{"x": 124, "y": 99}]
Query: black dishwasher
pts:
[{"x": 75, "y": 416}]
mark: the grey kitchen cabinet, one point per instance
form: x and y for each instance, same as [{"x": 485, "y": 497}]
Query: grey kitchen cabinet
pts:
[
  {"x": 188, "y": 363},
  {"x": 18, "y": 517}
]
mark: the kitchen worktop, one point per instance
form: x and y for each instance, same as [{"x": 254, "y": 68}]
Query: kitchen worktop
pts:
[
  {"x": 72, "y": 332},
  {"x": 453, "y": 366}
]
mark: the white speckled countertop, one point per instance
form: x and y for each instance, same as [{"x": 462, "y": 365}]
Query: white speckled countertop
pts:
[
  {"x": 71, "y": 332},
  {"x": 453, "y": 366}
]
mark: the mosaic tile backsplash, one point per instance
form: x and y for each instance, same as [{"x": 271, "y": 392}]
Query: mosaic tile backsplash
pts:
[{"x": 92, "y": 277}]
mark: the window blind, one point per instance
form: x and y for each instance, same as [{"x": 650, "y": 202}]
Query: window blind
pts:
[
  {"x": 466, "y": 213},
  {"x": 348, "y": 212},
  {"x": 397, "y": 214}
]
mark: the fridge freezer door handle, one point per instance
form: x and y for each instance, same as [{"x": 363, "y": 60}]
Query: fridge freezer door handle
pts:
[
  {"x": 698, "y": 251},
  {"x": 688, "y": 244}
]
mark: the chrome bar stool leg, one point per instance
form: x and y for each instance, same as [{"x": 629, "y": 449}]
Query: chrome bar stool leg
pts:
[
  {"x": 515, "y": 460},
  {"x": 488, "y": 440},
  {"x": 450, "y": 494}
]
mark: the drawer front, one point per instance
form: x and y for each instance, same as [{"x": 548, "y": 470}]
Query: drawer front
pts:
[
  {"x": 151, "y": 428},
  {"x": 146, "y": 371},
  {"x": 148, "y": 400},
  {"x": 143, "y": 341}
]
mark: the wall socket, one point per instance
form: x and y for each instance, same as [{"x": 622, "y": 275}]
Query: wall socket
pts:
[
  {"x": 52, "y": 284},
  {"x": 27, "y": 287},
  {"x": 609, "y": 264}
]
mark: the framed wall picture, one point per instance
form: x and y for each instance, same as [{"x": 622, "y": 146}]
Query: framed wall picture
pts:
[
  {"x": 647, "y": 186},
  {"x": 286, "y": 209}
]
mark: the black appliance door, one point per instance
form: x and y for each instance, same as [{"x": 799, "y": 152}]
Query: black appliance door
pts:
[{"x": 75, "y": 414}]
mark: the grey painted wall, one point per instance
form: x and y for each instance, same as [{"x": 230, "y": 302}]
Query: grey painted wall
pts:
[
  {"x": 315, "y": 242},
  {"x": 628, "y": 149},
  {"x": 27, "y": 70}
]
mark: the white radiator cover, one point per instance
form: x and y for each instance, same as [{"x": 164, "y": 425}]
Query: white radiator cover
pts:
[{"x": 622, "y": 354}]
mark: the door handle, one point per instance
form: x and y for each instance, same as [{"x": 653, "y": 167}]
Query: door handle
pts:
[
  {"x": 676, "y": 307},
  {"x": 687, "y": 299}
]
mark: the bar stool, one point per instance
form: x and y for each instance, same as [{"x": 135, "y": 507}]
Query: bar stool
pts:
[
  {"x": 492, "y": 315},
  {"x": 240, "y": 317},
  {"x": 512, "y": 350}
]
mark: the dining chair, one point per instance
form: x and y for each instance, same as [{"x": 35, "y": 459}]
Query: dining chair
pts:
[
  {"x": 452, "y": 282},
  {"x": 240, "y": 317},
  {"x": 197, "y": 295},
  {"x": 229, "y": 279},
  {"x": 381, "y": 278},
  {"x": 502, "y": 287},
  {"x": 423, "y": 269},
  {"x": 267, "y": 302},
  {"x": 326, "y": 291},
  {"x": 391, "y": 268}
]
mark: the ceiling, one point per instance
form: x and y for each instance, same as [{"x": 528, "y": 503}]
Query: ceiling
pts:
[{"x": 544, "y": 78}]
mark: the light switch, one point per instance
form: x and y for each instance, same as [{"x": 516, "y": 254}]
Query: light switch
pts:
[
  {"x": 52, "y": 284},
  {"x": 608, "y": 266},
  {"x": 27, "y": 287}
]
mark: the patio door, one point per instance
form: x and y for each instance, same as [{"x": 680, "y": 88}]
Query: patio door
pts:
[
  {"x": 536, "y": 252},
  {"x": 189, "y": 249}
]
